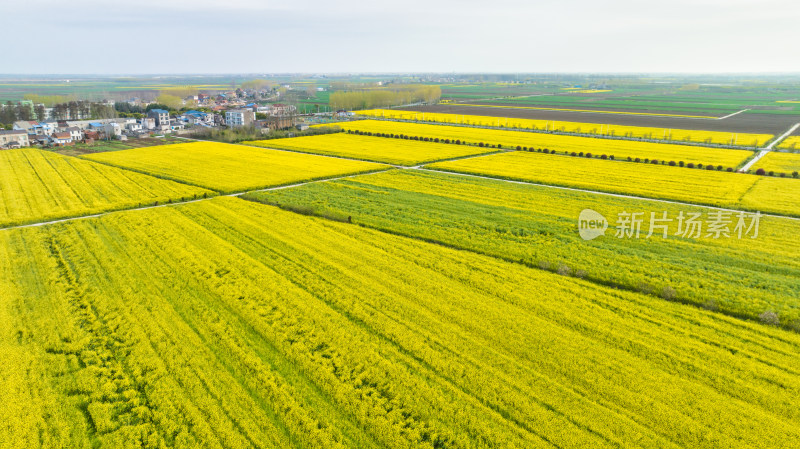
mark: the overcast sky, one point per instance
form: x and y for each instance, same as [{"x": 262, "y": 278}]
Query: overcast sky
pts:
[{"x": 253, "y": 36}]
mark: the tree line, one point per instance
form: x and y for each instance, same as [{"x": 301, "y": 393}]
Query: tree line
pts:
[
  {"x": 11, "y": 112},
  {"x": 384, "y": 97}
]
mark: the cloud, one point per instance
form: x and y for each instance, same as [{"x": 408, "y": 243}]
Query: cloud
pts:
[{"x": 234, "y": 36}]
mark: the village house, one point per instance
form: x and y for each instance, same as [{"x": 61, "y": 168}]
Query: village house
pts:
[
  {"x": 239, "y": 117},
  {"x": 198, "y": 118},
  {"x": 61, "y": 138},
  {"x": 75, "y": 133},
  {"x": 281, "y": 109},
  {"x": 14, "y": 138},
  {"x": 33, "y": 127},
  {"x": 160, "y": 116},
  {"x": 39, "y": 139},
  {"x": 148, "y": 123},
  {"x": 276, "y": 122},
  {"x": 112, "y": 129}
]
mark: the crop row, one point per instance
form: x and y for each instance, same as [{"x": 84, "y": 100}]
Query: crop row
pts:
[
  {"x": 640, "y": 132},
  {"x": 781, "y": 163},
  {"x": 225, "y": 323},
  {"x": 407, "y": 152},
  {"x": 707, "y": 187},
  {"x": 621, "y": 149},
  {"x": 230, "y": 168},
  {"x": 790, "y": 143},
  {"x": 38, "y": 185},
  {"x": 537, "y": 226},
  {"x": 587, "y": 154}
]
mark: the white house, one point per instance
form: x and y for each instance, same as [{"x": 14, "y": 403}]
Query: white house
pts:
[
  {"x": 148, "y": 123},
  {"x": 74, "y": 132},
  {"x": 160, "y": 115},
  {"x": 13, "y": 138},
  {"x": 62, "y": 138},
  {"x": 112, "y": 129},
  {"x": 239, "y": 117}
]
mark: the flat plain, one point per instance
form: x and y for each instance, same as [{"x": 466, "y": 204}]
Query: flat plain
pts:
[
  {"x": 748, "y": 122},
  {"x": 562, "y": 143},
  {"x": 167, "y": 336},
  {"x": 655, "y": 133},
  {"x": 311, "y": 295},
  {"x": 37, "y": 185},
  {"x": 698, "y": 186},
  {"x": 402, "y": 152},
  {"x": 230, "y": 168},
  {"x": 536, "y": 226}
]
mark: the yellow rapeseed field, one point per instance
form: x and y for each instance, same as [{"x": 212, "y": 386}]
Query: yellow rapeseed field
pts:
[
  {"x": 717, "y": 137},
  {"x": 779, "y": 162},
  {"x": 230, "y": 168},
  {"x": 790, "y": 143},
  {"x": 780, "y": 195},
  {"x": 229, "y": 324},
  {"x": 391, "y": 151},
  {"x": 37, "y": 185},
  {"x": 597, "y": 111},
  {"x": 709, "y": 187},
  {"x": 518, "y": 221},
  {"x": 511, "y": 139}
]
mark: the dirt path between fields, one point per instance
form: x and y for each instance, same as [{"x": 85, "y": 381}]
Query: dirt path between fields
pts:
[
  {"x": 402, "y": 167},
  {"x": 769, "y": 148},
  {"x": 731, "y": 115},
  {"x": 595, "y": 192},
  {"x": 179, "y": 203}
]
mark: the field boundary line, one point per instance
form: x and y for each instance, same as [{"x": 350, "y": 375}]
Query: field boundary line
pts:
[
  {"x": 617, "y": 195},
  {"x": 420, "y": 164},
  {"x": 769, "y": 148},
  {"x": 296, "y": 152},
  {"x": 593, "y": 111},
  {"x": 143, "y": 172},
  {"x": 178, "y": 203},
  {"x": 388, "y": 167},
  {"x": 731, "y": 115},
  {"x": 780, "y": 138},
  {"x": 564, "y": 133}
]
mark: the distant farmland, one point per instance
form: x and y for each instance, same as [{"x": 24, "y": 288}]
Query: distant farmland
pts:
[{"x": 485, "y": 279}]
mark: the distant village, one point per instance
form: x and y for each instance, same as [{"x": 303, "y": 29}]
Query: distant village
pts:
[{"x": 70, "y": 124}]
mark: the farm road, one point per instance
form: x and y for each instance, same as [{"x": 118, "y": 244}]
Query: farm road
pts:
[
  {"x": 393, "y": 167},
  {"x": 769, "y": 148}
]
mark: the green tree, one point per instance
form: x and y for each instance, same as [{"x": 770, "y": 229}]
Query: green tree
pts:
[{"x": 172, "y": 102}]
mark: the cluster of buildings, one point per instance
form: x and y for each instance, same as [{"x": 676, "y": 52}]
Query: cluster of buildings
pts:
[
  {"x": 156, "y": 121},
  {"x": 66, "y": 132}
]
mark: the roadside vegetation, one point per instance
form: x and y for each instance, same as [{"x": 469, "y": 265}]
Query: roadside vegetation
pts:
[{"x": 250, "y": 133}]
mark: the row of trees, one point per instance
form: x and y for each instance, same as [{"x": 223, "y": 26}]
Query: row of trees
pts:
[
  {"x": 567, "y": 153},
  {"x": 384, "y": 97},
  {"x": 82, "y": 110},
  {"x": 74, "y": 110},
  {"x": 11, "y": 112}
]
